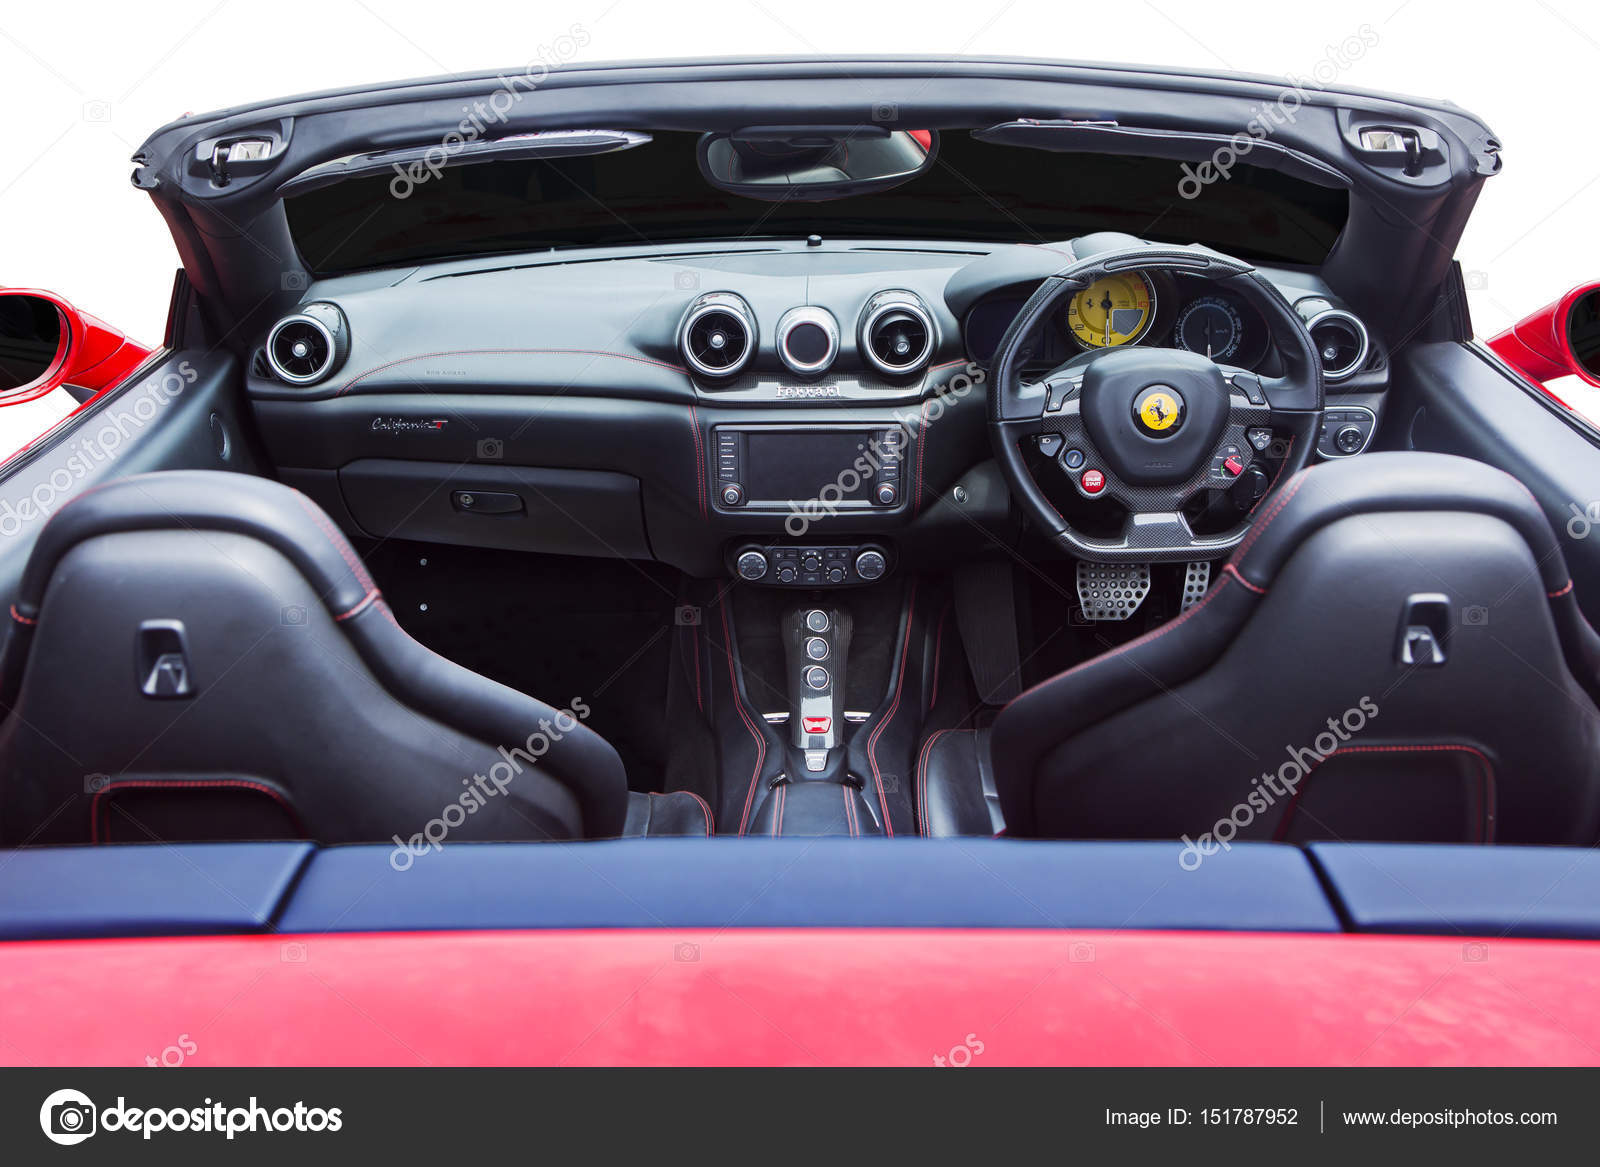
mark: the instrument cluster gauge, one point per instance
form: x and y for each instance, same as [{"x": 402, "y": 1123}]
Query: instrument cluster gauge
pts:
[
  {"x": 1116, "y": 309},
  {"x": 1211, "y": 327}
]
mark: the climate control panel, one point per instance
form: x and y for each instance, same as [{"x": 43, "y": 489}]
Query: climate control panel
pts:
[{"x": 800, "y": 566}]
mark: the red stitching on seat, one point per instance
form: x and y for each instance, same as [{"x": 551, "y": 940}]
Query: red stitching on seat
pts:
[
  {"x": 894, "y": 707},
  {"x": 1558, "y": 594},
  {"x": 1230, "y": 569},
  {"x": 19, "y": 617},
  {"x": 184, "y": 783},
  {"x": 738, "y": 704},
  {"x": 501, "y": 352},
  {"x": 360, "y": 604},
  {"x": 1485, "y": 828},
  {"x": 922, "y": 781},
  {"x": 351, "y": 559},
  {"x": 704, "y": 809},
  {"x": 1265, "y": 521}
]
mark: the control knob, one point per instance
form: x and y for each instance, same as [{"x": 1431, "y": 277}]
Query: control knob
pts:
[
  {"x": 871, "y": 565},
  {"x": 752, "y": 565}
]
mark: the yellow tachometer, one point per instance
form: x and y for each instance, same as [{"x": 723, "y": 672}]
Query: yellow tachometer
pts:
[{"x": 1115, "y": 309}]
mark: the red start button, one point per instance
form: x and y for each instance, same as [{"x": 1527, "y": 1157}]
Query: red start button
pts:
[{"x": 1093, "y": 481}]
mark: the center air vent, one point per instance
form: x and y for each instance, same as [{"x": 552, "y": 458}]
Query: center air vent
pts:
[
  {"x": 718, "y": 336},
  {"x": 897, "y": 333},
  {"x": 310, "y": 345},
  {"x": 808, "y": 340},
  {"x": 1341, "y": 343}
]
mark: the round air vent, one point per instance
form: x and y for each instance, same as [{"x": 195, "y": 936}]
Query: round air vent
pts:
[
  {"x": 808, "y": 340},
  {"x": 1341, "y": 342},
  {"x": 718, "y": 335},
  {"x": 897, "y": 333},
  {"x": 307, "y": 347}
]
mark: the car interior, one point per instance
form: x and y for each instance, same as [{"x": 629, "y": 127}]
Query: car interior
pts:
[{"x": 695, "y": 455}]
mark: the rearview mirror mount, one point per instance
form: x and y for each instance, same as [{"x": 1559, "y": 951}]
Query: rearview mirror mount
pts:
[{"x": 814, "y": 163}]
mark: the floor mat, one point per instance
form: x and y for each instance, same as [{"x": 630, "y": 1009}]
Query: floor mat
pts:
[{"x": 554, "y": 627}]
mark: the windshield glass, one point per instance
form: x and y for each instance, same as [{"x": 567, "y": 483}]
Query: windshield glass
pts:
[{"x": 975, "y": 191}]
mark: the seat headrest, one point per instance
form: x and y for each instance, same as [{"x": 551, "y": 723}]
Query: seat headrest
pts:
[{"x": 203, "y": 500}]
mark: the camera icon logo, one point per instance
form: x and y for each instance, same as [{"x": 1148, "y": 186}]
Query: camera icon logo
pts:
[
  {"x": 95, "y": 783},
  {"x": 686, "y": 616},
  {"x": 1475, "y": 615},
  {"x": 1081, "y": 953},
  {"x": 686, "y": 281},
  {"x": 67, "y": 1117},
  {"x": 1477, "y": 281},
  {"x": 1475, "y": 952},
  {"x": 294, "y": 616},
  {"x": 885, "y": 111},
  {"x": 97, "y": 111},
  {"x": 685, "y": 953},
  {"x": 293, "y": 952},
  {"x": 491, "y": 449},
  {"x": 295, "y": 281}
]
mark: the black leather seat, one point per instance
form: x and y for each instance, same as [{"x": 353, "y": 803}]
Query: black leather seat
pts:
[
  {"x": 815, "y": 809},
  {"x": 1280, "y": 706},
  {"x": 201, "y": 655}
]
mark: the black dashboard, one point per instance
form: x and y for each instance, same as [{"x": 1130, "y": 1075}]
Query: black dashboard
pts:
[{"x": 692, "y": 403}]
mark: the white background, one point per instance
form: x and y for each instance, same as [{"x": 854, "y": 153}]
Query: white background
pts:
[{"x": 83, "y": 82}]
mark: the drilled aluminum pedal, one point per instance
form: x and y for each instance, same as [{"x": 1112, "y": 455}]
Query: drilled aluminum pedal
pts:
[
  {"x": 1196, "y": 582},
  {"x": 1112, "y": 591}
]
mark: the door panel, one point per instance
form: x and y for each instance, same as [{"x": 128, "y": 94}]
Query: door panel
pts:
[
  {"x": 1459, "y": 399},
  {"x": 181, "y": 412}
]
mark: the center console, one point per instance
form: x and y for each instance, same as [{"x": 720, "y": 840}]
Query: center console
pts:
[
  {"x": 816, "y": 794},
  {"x": 810, "y": 565}
]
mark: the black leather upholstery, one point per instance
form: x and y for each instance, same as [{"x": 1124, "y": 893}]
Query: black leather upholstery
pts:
[
  {"x": 681, "y": 812},
  {"x": 310, "y": 704},
  {"x": 956, "y": 792},
  {"x": 815, "y": 808},
  {"x": 1195, "y": 724}
]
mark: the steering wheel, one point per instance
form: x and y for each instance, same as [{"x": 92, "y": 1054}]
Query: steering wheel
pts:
[{"x": 1154, "y": 426}]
